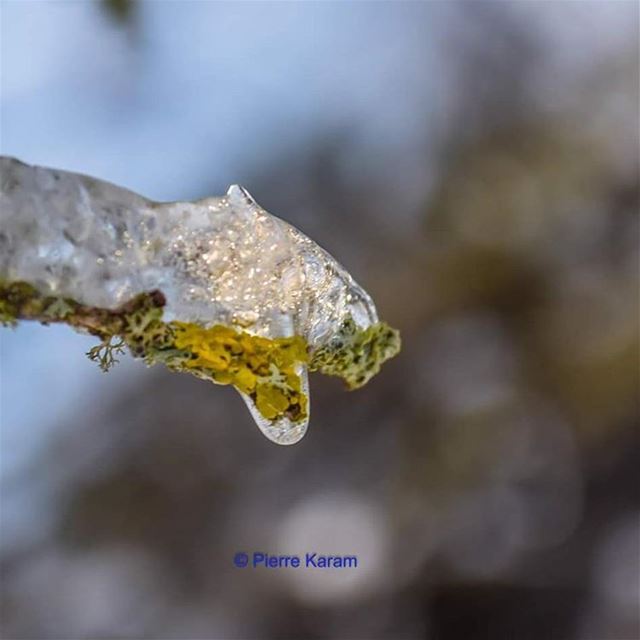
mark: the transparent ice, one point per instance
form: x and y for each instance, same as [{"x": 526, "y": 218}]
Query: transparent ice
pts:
[{"x": 220, "y": 260}]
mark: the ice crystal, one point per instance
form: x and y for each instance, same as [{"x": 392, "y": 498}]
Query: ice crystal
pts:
[{"x": 218, "y": 262}]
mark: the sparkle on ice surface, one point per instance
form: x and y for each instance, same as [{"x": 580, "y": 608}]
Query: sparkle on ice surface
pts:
[{"x": 221, "y": 260}]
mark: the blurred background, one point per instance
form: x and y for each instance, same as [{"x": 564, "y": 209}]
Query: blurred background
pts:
[{"x": 475, "y": 167}]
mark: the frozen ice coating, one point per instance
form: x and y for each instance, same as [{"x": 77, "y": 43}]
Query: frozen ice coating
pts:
[
  {"x": 218, "y": 287},
  {"x": 217, "y": 260}
]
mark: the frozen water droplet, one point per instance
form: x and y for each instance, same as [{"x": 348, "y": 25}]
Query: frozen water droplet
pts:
[{"x": 282, "y": 431}]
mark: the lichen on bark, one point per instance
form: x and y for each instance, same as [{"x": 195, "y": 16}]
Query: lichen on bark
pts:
[
  {"x": 261, "y": 368},
  {"x": 356, "y": 354}
]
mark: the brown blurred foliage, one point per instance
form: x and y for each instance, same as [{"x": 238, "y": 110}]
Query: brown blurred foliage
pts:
[{"x": 499, "y": 450}]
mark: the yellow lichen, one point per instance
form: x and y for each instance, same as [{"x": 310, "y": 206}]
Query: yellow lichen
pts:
[
  {"x": 262, "y": 368},
  {"x": 356, "y": 354}
]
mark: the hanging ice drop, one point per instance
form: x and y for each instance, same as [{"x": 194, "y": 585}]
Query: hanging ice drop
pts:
[{"x": 217, "y": 287}]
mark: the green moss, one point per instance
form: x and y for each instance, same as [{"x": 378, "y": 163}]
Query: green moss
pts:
[{"x": 355, "y": 354}]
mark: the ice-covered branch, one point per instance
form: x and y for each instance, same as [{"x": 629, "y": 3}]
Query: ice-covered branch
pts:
[{"x": 217, "y": 287}]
